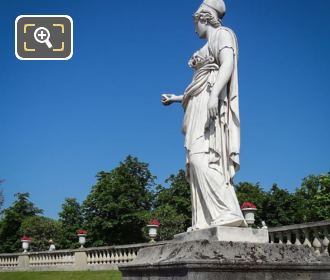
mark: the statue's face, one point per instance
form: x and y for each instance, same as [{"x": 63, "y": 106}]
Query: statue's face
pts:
[{"x": 200, "y": 27}]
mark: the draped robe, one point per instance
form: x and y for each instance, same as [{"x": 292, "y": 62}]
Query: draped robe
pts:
[{"x": 212, "y": 147}]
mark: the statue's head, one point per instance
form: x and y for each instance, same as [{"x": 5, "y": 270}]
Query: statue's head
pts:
[{"x": 210, "y": 13}]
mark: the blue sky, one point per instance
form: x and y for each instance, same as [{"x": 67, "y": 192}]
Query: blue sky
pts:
[{"x": 63, "y": 121}]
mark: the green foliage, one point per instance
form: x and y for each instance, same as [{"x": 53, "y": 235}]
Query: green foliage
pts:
[
  {"x": 173, "y": 206},
  {"x": 314, "y": 196},
  {"x": 170, "y": 221},
  {"x": 116, "y": 208},
  {"x": 71, "y": 219},
  {"x": 86, "y": 275},
  {"x": 279, "y": 207},
  {"x": 11, "y": 222},
  {"x": 42, "y": 229}
]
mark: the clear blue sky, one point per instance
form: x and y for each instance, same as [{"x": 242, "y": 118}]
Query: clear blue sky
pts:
[{"x": 63, "y": 121}]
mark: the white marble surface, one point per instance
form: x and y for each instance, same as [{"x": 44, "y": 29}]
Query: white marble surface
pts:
[
  {"x": 211, "y": 122},
  {"x": 234, "y": 234}
]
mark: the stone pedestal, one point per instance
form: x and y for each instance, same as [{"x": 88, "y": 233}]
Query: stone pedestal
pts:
[
  {"x": 204, "y": 260},
  {"x": 221, "y": 233}
]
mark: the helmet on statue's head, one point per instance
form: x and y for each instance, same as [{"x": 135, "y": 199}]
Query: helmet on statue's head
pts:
[{"x": 218, "y": 6}]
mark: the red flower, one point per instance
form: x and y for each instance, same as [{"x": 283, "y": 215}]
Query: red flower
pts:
[
  {"x": 81, "y": 231},
  {"x": 26, "y": 238},
  {"x": 248, "y": 205},
  {"x": 154, "y": 222}
]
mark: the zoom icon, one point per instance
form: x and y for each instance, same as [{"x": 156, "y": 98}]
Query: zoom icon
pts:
[{"x": 44, "y": 37}]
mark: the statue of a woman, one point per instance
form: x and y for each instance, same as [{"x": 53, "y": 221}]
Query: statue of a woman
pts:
[{"x": 211, "y": 122}]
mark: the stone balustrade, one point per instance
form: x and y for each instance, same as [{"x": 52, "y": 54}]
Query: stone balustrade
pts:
[
  {"x": 100, "y": 258},
  {"x": 314, "y": 235},
  {"x": 8, "y": 261},
  {"x": 112, "y": 255},
  {"x": 56, "y": 258}
]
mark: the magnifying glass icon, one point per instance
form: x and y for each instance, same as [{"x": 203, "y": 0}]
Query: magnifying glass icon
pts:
[{"x": 42, "y": 35}]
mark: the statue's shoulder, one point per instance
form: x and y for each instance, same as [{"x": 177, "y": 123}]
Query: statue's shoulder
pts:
[
  {"x": 223, "y": 38},
  {"x": 226, "y": 36}
]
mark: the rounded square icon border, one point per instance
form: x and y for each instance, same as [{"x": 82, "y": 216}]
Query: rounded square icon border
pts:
[{"x": 64, "y": 58}]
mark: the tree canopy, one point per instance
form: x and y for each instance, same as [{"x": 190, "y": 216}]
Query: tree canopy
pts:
[
  {"x": 12, "y": 220},
  {"x": 71, "y": 218},
  {"x": 41, "y": 229},
  {"x": 116, "y": 208},
  {"x": 173, "y": 206}
]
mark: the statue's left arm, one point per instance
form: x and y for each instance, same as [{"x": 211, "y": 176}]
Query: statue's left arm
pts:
[{"x": 226, "y": 59}]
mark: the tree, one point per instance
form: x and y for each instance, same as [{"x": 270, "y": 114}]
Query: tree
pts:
[
  {"x": 314, "y": 195},
  {"x": 116, "y": 208},
  {"x": 41, "y": 229},
  {"x": 280, "y": 207},
  {"x": 71, "y": 219},
  {"x": 13, "y": 217},
  {"x": 173, "y": 206},
  {"x": 171, "y": 222}
]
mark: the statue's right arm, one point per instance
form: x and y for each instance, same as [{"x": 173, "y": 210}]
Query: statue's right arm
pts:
[{"x": 168, "y": 99}]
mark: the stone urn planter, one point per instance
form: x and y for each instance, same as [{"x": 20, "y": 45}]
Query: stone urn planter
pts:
[
  {"x": 249, "y": 210},
  {"x": 81, "y": 233},
  {"x": 153, "y": 229},
  {"x": 26, "y": 240}
]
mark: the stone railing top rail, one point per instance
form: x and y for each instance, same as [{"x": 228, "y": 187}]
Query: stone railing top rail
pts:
[
  {"x": 131, "y": 246},
  {"x": 10, "y": 255},
  {"x": 118, "y": 247},
  {"x": 300, "y": 226}
]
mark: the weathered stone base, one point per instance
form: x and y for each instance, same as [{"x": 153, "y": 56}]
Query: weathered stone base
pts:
[
  {"x": 204, "y": 260},
  {"x": 222, "y": 233}
]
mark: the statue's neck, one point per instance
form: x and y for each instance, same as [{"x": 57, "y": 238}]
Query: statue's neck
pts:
[{"x": 211, "y": 31}]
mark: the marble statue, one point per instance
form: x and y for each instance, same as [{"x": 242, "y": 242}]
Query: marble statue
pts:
[{"x": 211, "y": 122}]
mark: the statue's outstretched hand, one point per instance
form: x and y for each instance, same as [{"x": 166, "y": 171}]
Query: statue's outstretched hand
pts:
[{"x": 168, "y": 99}]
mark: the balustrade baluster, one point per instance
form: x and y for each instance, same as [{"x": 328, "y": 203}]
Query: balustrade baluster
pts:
[
  {"x": 288, "y": 237},
  {"x": 280, "y": 238},
  {"x": 31, "y": 260},
  {"x": 129, "y": 255},
  {"x": 93, "y": 257},
  {"x": 125, "y": 256},
  {"x": 120, "y": 255},
  {"x": 107, "y": 257},
  {"x": 307, "y": 241},
  {"x": 115, "y": 256},
  {"x": 103, "y": 257},
  {"x": 297, "y": 235},
  {"x": 60, "y": 259},
  {"x": 316, "y": 243},
  {"x": 111, "y": 256},
  {"x": 325, "y": 243}
]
